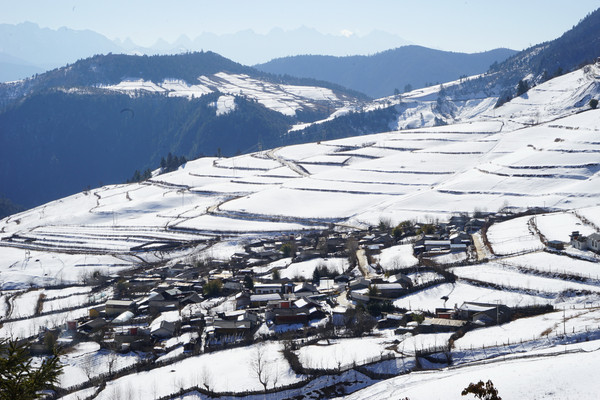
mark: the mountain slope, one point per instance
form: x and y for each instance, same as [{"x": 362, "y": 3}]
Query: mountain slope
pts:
[
  {"x": 379, "y": 74},
  {"x": 575, "y": 48},
  {"x": 98, "y": 120}
]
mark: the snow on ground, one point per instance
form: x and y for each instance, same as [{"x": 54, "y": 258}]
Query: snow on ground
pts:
[
  {"x": 558, "y": 376},
  {"x": 281, "y": 263},
  {"x": 513, "y": 236},
  {"x": 343, "y": 353},
  {"x": 558, "y": 226},
  {"x": 396, "y": 257},
  {"x": 225, "y": 105},
  {"x": 305, "y": 269},
  {"x": 218, "y": 224},
  {"x": 286, "y": 99},
  {"x": 20, "y": 267},
  {"x": 511, "y": 278},
  {"x": 24, "y": 304},
  {"x": 421, "y": 277},
  {"x": 86, "y": 359},
  {"x": 228, "y": 370},
  {"x": 449, "y": 258},
  {"x": 556, "y": 264},
  {"x": 301, "y": 204},
  {"x": 431, "y": 298},
  {"x": 31, "y": 326},
  {"x": 222, "y": 250},
  {"x": 592, "y": 214},
  {"x": 66, "y": 302},
  {"x": 532, "y": 328},
  {"x": 410, "y": 344}
]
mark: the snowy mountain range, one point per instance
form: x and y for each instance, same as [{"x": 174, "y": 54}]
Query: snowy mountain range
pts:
[{"x": 28, "y": 49}]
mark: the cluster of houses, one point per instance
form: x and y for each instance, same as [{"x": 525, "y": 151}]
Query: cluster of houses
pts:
[
  {"x": 451, "y": 237},
  {"x": 171, "y": 306},
  {"x": 151, "y": 307}
]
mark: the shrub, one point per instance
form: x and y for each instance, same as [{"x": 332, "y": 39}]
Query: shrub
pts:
[{"x": 213, "y": 288}]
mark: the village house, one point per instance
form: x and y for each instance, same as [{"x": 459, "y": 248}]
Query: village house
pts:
[
  {"x": 593, "y": 242},
  {"x": 578, "y": 241},
  {"x": 433, "y": 325},
  {"x": 164, "y": 329},
  {"x": 261, "y": 300},
  {"x": 390, "y": 290},
  {"x": 484, "y": 313},
  {"x": 115, "y": 307},
  {"x": 267, "y": 288}
]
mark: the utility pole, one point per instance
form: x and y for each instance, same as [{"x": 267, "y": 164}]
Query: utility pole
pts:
[{"x": 564, "y": 323}]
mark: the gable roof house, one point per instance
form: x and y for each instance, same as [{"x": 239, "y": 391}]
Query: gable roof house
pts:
[
  {"x": 163, "y": 330},
  {"x": 485, "y": 313},
  {"x": 593, "y": 242},
  {"x": 267, "y": 288},
  {"x": 115, "y": 307},
  {"x": 578, "y": 241}
]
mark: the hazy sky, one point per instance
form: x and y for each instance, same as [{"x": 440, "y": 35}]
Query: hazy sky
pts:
[{"x": 467, "y": 25}]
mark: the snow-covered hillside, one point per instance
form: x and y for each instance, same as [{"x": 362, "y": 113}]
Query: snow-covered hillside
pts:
[
  {"x": 484, "y": 164},
  {"x": 286, "y": 99},
  {"x": 449, "y": 103}
]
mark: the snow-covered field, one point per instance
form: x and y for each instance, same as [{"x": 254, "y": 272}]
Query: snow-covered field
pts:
[
  {"x": 556, "y": 264},
  {"x": 305, "y": 269},
  {"x": 559, "y": 226},
  {"x": 397, "y": 257},
  {"x": 228, "y": 370},
  {"x": 459, "y": 292},
  {"x": 286, "y": 99},
  {"x": 344, "y": 353},
  {"x": 532, "y": 328},
  {"x": 511, "y": 278},
  {"x": 87, "y": 360},
  {"x": 513, "y": 236},
  {"x": 546, "y": 377}
]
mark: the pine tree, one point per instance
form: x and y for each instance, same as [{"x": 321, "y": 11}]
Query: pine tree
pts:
[
  {"x": 18, "y": 378},
  {"x": 522, "y": 87}
]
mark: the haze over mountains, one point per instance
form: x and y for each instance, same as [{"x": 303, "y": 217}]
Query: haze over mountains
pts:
[
  {"x": 383, "y": 73},
  {"x": 27, "y": 49}
]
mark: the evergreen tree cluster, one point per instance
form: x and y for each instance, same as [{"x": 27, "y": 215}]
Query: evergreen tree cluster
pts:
[
  {"x": 140, "y": 177},
  {"x": 171, "y": 163}
]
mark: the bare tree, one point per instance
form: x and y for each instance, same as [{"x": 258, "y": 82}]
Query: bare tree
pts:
[
  {"x": 112, "y": 359},
  {"x": 88, "y": 368},
  {"x": 206, "y": 378},
  {"x": 260, "y": 367}
]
